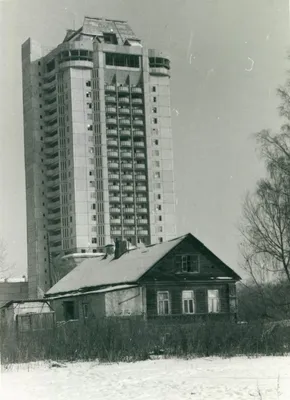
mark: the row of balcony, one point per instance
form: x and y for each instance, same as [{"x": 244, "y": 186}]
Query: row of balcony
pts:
[
  {"x": 124, "y": 143},
  {"x": 125, "y": 133},
  {"x": 128, "y": 210},
  {"x": 127, "y": 177},
  {"x": 127, "y": 199},
  {"x": 115, "y": 165},
  {"x": 128, "y": 221},
  {"x": 128, "y": 188},
  {"x": 140, "y": 232},
  {"x": 125, "y": 154},
  {"x": 124, "y": 121},
  {"x": 123, "y": 89},
  {"x": 123, "y": 100},
  {"x": 125, "y": 110}
]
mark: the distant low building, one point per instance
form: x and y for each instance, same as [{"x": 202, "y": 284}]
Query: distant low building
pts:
[
  {"x": 11, "y": 289},
  {"x": 177, "y": 278}
]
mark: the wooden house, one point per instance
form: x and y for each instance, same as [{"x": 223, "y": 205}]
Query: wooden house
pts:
[{"x": 180, "y": 278}]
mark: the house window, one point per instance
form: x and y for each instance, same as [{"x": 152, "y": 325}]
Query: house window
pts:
[
  {"x": 163, "y": 305},
  {"x": 213, "y": 299},
  {"x": 188, "y": 302},
  {"x": 188, "y": 263},
  {"x": 69, "y": 310},
  {"x": 85, "y": 310}
]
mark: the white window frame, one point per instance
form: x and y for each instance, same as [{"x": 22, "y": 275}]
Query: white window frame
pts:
[
  {"x": 184, "y": 263},
  {"x": 213, "y": 301},
  {"x": 186, "y": 300},
  {"x": 163, "y": 301}
]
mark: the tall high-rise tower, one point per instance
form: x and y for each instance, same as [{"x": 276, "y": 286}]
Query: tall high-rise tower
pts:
[{"x": 98, "y": 145}]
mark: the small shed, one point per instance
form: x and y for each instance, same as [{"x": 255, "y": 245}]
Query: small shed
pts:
[{"x": 18, "y": 316}]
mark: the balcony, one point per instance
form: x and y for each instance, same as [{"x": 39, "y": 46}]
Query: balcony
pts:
[
  {"x": 138, "y": 111},
  {"x": 111, "y": 110},
  {"x": 53, "y": 205},
  {"x": 54, "y": 227},
  {"x": 128, "y": 199},
  {"x": 136, "y": 90},
  {"x": 138, "y": 133},
  {"x": 55, "y": 238},
  {"x": 141, "y": 200},
  {"x": 142, "y": 210},
  {"x": 110, "y": 88},
  {"x": 124, "y": 121},
  {"x": 138, "y": 122},
  {"x": 111, "y": 121},
  {"x": 140, "y": 178},
  {"x": 126, "y": 143},
  {"x": 50, "y": 106},
  {"x": 113, "y": 154},
  {"x": 142, "y": 232},
  {"x": 53, "y": 194},
  {"x": 52, "y": 172},
  {"x": 115, "y": 210},
  {"x": 124, "y": 111},
  {"x": 125, "y": 133},
  {"x": 52, "y": 183},
  {"x": 129, "y": 221},
  {"x": 127, "y": 188},
  {"x": 142, "y": 221},
  {"x": 129, "y": 232},
  {"x": 127, "y": 165},
  {"x": 113, "y": 176},
  {"x": 128, "y": 210},
  {"x": 139, "y": 156},
  {"x": 112, "y": 132},
  {"x": 51, "y": 139},
  {"x": 113, "y": 165},
  {"x": 51, "y": 129},
  {"x": 115, "y": 221},
  {"x": 141, "y": 188},
  {"x": 110, "y": 99},
  {"x": 113, "y": 143},
  {"x": 127, "y": 177},
  {"x": 114, "y": 199},
  {"x": 51, "y": 150},
  {"x": 50, "y": 117},
  {"x": 54, "y": 215},
  {"x": 51, "y": 161},
  {"x": 124, "y": 100},
  {"x": 137, "y": 101},
  {"x": 50, "y": 95},
  {"x": 123, "y": 89},
  {"x": 50, "y": 84},
  {"x": 139, "y": 144},
  {"x": 126, "y": 154},
  {"x": 56, "y": 249},
  {"x": 114, "y": 187},
  {"x": 116, "y": 232},
  {"x": 140, "y": 166}
]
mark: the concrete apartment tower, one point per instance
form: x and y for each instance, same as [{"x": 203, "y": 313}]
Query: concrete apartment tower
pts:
[{"x": 98, "y": 145}]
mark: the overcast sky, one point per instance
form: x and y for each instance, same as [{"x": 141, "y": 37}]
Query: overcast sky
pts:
[{"x": 228, "y": 57}]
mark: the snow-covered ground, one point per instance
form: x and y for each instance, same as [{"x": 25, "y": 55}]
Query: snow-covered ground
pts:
[{"x": 239, "y": 378}]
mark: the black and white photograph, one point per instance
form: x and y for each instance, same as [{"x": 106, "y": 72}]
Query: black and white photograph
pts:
[{"x": 145, "y": 199}]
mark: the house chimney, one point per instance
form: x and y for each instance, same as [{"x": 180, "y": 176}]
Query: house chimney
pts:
[
  {"x": 120, "y": 248},
  {"x": 110, "y": 249}
]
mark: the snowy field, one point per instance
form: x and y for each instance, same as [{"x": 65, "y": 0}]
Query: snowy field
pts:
[{"x": 266, "y": 378}]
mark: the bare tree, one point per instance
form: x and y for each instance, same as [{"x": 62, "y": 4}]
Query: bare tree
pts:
[
  {"x": 265, "y": 225},
  {"x": 6, "y": 268}
]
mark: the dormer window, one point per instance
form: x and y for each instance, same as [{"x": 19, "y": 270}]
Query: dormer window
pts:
[
  {"x": 110, "y": 38},
  {"x": 188, "y": 263}
]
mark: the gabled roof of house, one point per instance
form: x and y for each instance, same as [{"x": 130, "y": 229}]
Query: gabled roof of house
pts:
[{"x": 129, "y": 268}]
